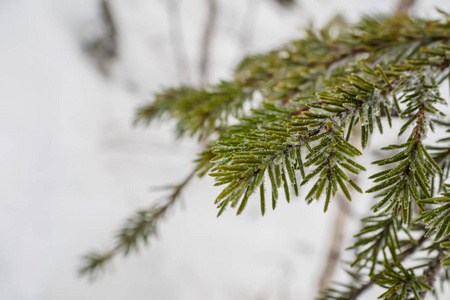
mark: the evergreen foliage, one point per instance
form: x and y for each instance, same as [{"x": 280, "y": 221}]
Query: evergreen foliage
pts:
[{"x": 310, "y": 100}]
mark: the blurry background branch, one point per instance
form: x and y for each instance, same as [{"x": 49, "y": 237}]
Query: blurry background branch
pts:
[
  {"x": 104, "y": 49},
  {"x": 137, "y": 230},
  {"x": 208, "y": 34},
  {"x": 247, "y": 28},
  {"x": 177, "y": 41},
  {"x": 286, "y": 2},
  {"x": 404, "y": 6}
]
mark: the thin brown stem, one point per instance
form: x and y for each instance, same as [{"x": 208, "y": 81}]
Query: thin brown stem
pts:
[
  {"x": 401, "y": 257},
  {"x": 208, "y": 35},
  {"x": 136, "y": 230},
  {"x": 247, "y": 28},
  {"x": 336, "y": 245},
  {"x": 177, "y": 40},
  {"x": 404, "y": 6}
]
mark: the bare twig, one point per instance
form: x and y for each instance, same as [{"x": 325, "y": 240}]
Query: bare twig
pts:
[
  {"x": 336, "y": 244},
  {"x": 177, "y": 40},
  {"x": 137, "y": 230},
  {"x": 286, "y": 2},
  {"x": 208, "y": 35},
  {"x": 432, "y": 271},
  {"x": 105, "y": 47},
  {"x": 247, "y": 27},
  {"x": 404, "y": 6}
]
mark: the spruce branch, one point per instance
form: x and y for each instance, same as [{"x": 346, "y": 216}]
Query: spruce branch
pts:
[
  {"x": 249, "y": 154},
  {"x": 404, "y": 183},
  {"x": 208, "y": 35},
  {"x": 434, "y": 265},
  {"x": 137, "y": 230},
  {"x": 379, "y": 233},
  {"x": 401, "y": 282},
  {"x": 360, "y": 284},
  {"x": 432, "y": 270},
  {"x": 300, "y": 68},
  {"x": 200, "y": 111},
  {"x": 308, "y": 98},
  {"x": 437, "y": 219},
  {"x": 353, "y": 291},
  {"x": 441, "y": 155}
]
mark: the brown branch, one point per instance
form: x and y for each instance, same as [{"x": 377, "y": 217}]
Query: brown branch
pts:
[
  {"x": 404, "y": 6},
  {"x": 111, "y": 24},
  {"x": 336, "y": 245},
  {"x": 104, "y": 49},
  {"x": 246, "y": 32},
  {"x": 208, "y": 35},
  {"x": 432, "y": 271},
  {"x": 177, "y": 40},
  {"x": 401, "y": 257}
]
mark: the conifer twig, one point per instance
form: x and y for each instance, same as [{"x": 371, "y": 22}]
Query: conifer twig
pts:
[
  {"x": 433, "y": 269},
  {"x": 246, "y": 30},
  {"x": 401, "y": 257},
  {"x": 104, "y": 48},
  {"x": 356, "y": 292},
  {"x": 136, "y": 230},
  {"x": 314, "y": 93}
]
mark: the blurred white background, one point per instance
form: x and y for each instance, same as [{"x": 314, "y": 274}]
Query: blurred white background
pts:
[{"x": 73, "y": 167}]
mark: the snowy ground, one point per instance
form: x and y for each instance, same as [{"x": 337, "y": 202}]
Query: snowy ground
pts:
[{"x": 73, "y": 167}]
